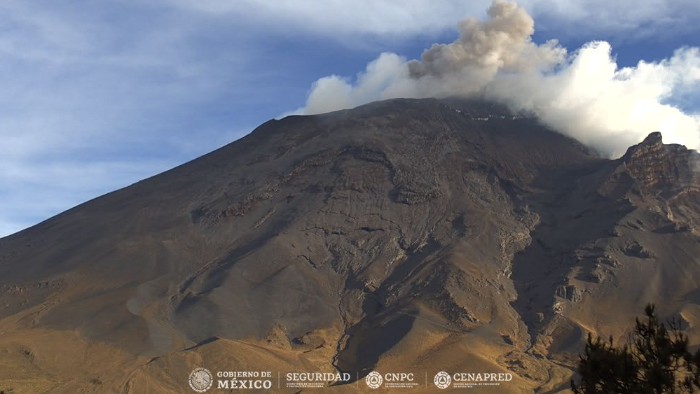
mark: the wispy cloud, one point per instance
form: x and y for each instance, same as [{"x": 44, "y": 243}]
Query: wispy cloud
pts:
[
  {"x": 95, "y": 97},
  {"x": 627, "y": 20},
  {"x": 343, "y": 18},
  {"x": 386, "y": 18}
]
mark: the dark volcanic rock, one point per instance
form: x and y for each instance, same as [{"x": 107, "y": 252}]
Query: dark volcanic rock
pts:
[{"x": 445, "y": 234}]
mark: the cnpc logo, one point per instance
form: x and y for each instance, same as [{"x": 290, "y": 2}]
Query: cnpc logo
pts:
[{"x": 375, "y": 380}]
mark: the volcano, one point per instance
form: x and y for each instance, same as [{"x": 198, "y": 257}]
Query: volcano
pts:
[{"x": 403, "y": 236}]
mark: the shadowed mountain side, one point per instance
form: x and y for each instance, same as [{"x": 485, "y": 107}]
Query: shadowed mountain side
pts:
[{"x": 429, "y": 231}]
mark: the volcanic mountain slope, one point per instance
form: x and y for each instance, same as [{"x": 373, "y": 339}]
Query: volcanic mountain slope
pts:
[{"x": 405, "y": 235}]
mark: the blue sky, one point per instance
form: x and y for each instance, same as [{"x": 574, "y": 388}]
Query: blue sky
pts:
[{"x": 97, "y": 95}]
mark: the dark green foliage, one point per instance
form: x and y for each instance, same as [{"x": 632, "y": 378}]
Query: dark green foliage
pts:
[{"x": 656, "y": 360}]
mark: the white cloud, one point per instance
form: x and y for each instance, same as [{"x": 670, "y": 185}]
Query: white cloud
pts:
[
  {"x": 607, "y": 107},
  {"x": 380, "y": 77},
  {"x": 584, "y": 95}
]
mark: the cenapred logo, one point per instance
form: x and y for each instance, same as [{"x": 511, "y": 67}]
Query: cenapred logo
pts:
[
  {"x": 374, "y": 380},
  {"x": 201, "y": 380},
  {"x": 442, "y": 380}
]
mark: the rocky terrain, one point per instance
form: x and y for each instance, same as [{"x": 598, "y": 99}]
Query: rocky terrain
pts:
[{"x": 404, "y": 235}]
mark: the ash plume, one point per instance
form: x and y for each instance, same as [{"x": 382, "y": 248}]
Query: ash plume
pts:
[{"x": 583, "y": 94}]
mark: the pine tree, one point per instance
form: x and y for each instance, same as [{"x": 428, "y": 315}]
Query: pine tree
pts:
[{"x": 656, "y": 360}]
